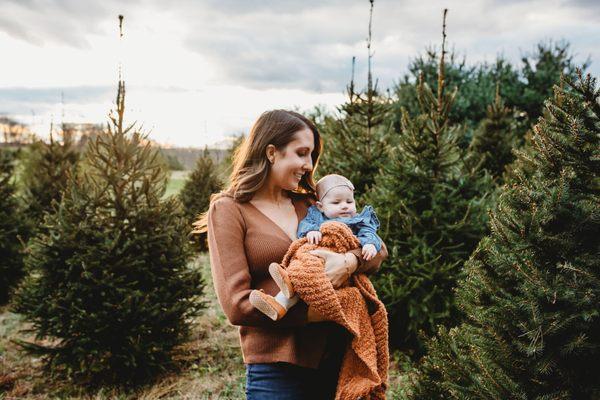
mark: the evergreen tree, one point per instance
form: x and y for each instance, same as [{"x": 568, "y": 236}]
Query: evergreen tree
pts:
[
  {"x": 44, "y": 174},
  {"x": 476, "y": 85},
  {"x": 11, "y": 228},
  {"x": 195, "y": 195},
  {"x": 356, "y": 141},
  {"x": 524, "y": 87},
  {"x": 542, "y": 70},
  {"x": 521, "y": 166},
  {"x": 432, "y": 211},
  {"x": 495, "y": 139},
  {"x": 227, "y": 163},
  {"x": 171, "y": 161},
  {"x": 533, "y": 285},
  {"x": 109, "y": 281}
]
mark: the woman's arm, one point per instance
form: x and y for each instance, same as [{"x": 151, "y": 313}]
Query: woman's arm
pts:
[
  {"x": 230, "y": 271},
  {"x": 371, "y": 266},
  {"x": 339, "y": 266}
]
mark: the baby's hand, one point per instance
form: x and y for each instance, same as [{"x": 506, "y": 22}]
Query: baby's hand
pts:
[
  {"x": 368, "y": 251},
  {"x": 314, "y": 237}
]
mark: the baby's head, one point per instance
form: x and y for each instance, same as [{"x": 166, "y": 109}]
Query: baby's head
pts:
[{"x": 336, "y": 196}]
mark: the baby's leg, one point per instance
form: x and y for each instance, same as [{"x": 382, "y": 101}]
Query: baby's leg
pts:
[
  {"x": 311, "y": 283},
  {"x": 281, "y": 278},
  {"x": 268, "y": 304},
  {"x": 286, "y": 302}
]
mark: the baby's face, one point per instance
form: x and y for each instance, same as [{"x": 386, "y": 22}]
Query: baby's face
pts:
[{"x": 338, "y": 202}]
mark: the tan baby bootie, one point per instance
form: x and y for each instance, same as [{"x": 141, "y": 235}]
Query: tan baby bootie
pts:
[
  {"x": 267, "y": 305},
  {"x": 281, "y": 278}
]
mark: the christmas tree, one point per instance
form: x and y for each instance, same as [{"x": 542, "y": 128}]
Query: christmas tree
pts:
[
  {"x": 356, "y": 141},
  {"x": 11, "y": 227},
  {"x": 432, "y": 211},
  {"x": 45, "y": 172},
  {"x": 196, "y": 192},
  {"x": 533, "y": 285},
  {"x": 110, "y": 284},
  {"x": 542, "y": 69},
  {"x": 236, "y": 144},
  {"x": 495, "y": 139},
  {"x": 524, "y": 87}
]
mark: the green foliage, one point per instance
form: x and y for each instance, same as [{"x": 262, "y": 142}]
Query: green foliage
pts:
[
  {"x": 523, "y": 89},
  {"x": 533, "y": 285},
  {"x": 433, "y": 213},
  {"x": 109, "y": 283},
  {"x": 196, "y": 192},
  {"x": 227, "y": 163},
  {"x": 356, "y": 142},
  {"x": 495, "y": 139},
  {"x": 45, "y": 171},
  {"x": 542, "y": 70},
  {"x": 172, "y": 162},
  {"x": 12, "y": 226},
  {"x": 476, "y": 85}
]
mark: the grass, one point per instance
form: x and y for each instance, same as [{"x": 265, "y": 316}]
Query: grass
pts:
[{"x": 176, "y": 182}]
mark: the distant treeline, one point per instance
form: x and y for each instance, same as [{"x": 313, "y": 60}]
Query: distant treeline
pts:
[{"x": 187, "y": 156}]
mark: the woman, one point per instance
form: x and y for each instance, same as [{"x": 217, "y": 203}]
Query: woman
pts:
[{"x": 250, "y": 225}]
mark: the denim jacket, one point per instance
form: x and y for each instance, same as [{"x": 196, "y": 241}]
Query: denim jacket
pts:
[{"x": 363, "y": 225}]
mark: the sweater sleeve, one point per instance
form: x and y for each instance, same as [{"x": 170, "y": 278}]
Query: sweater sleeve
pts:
[{"x": 230, "y": 271}]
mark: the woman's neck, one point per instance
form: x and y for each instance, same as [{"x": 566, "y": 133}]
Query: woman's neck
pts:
[{"x": 271, "y": 194}]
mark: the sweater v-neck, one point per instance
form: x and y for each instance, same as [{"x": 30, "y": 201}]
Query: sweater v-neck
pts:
[{"x": 295, "y": 203}]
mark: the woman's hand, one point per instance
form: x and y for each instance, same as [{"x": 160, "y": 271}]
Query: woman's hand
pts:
[{"x": 338, "y": 267}]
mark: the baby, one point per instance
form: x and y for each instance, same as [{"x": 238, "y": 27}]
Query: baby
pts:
[{"x": 335, "y": 195}]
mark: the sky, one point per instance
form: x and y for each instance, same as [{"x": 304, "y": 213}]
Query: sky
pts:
[{"x": 198, "y": 71}]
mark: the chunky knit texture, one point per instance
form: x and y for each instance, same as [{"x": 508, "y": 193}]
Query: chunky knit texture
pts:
[
  {"x": 242, "y": 243},
  {"x": 355, "y": 306}
]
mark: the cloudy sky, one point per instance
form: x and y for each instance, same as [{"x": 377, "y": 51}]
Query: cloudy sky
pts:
[{"x": 199, "y": 70}]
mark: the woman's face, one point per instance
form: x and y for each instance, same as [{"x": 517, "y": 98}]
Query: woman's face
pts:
[{"x": 293, "y": 161}]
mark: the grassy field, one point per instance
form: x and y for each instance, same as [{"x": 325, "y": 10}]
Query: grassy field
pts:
[{"x": 176, "y": 182}]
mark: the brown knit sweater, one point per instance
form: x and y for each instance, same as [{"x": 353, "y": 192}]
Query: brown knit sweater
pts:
[{"x": 242, "y": 243}]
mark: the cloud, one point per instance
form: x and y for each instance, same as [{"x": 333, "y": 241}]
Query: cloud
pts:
[
  {"x": 294, "y": 45},
  {"x": 59, "y": 21},
  {"x": 22, "y": 100},
  {"x": 78, "y": 94},
  {"x": 592, "y": 6},
  {"x": 309, "y": 44}
]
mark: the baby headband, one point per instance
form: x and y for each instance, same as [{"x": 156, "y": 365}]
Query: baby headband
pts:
[{"x": 328, "y": 182}]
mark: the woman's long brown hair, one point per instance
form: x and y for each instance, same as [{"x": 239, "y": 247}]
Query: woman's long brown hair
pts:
[{"x": 250, "y": 164}]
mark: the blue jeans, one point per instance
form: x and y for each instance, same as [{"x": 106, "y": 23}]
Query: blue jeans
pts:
[{"x": 284, "y": 381}]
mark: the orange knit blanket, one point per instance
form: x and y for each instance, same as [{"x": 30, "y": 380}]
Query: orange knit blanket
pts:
[{"x": 364, "y": 370}]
